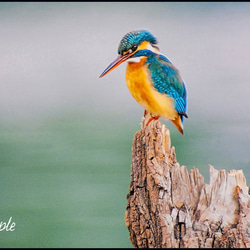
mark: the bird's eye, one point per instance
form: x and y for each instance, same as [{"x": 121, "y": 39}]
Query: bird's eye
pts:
[
  {"x": 134, "y": 47},
  {"x": 131, "y": 50}
]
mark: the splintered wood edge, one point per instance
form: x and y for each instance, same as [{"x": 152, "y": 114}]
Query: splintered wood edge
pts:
[
  {"x": 233, "y": 180},
  {"x": 222, "y": 204}
]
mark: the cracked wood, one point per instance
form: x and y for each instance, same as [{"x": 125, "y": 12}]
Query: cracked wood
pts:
[{"x": 167, "y": 206}]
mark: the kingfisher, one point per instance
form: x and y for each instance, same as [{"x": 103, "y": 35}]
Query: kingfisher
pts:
[{"x": 151, "y": 78}]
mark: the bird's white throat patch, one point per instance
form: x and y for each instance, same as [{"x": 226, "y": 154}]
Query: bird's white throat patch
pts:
[{"x": 135, "y": 59}]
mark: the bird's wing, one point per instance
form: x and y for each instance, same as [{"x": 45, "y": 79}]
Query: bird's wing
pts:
[{"x": 167, "y": 80}]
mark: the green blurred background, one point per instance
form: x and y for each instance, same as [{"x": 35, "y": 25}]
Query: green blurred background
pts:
[{"x": 66, "y": 135}]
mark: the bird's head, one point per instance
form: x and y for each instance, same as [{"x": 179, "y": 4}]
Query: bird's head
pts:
[{"x": 130, "y": 45}]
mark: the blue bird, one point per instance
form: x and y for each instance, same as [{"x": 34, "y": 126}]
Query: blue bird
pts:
[{"x": 151, "y": 78}]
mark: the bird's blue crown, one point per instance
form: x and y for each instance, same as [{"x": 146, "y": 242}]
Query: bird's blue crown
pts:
[{"x": 133, "y": 39}]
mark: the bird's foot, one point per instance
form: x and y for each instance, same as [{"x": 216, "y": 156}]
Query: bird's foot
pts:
[{"x": 152, "y": 118}]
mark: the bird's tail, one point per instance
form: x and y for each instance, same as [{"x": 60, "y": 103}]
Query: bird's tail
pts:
[{"x": 178, "y": 123}]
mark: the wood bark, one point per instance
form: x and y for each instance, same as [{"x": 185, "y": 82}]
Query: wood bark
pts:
[{"x": 169, "y": 207}]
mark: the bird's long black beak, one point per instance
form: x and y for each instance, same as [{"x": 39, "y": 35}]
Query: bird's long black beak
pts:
[{"x": 120, "y": 59}]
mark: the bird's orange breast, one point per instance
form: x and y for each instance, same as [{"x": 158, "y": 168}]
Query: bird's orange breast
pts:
[{"x": 142, "y": 89}]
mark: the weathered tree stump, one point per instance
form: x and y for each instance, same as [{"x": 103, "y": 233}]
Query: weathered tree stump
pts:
[{"x": 169, "y": 207}]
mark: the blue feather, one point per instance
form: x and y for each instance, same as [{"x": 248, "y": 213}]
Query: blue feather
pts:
[
  {"x": 135, "y": 38},
  {"x": 166, "y": 79}
]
